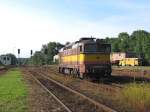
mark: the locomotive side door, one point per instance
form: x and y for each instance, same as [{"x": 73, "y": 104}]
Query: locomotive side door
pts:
[
  {"x": 80, "y": 50},
  {"x": 78, "y": 56}
]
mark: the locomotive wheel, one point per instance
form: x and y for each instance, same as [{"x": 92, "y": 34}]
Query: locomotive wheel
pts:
[
  {"x": 108, "y": 74},
  {"x": 63, "y": 70},
  {"x": 60, "y": 71},
  {"x": 70, "y": 71},
  {"x": 74, "y": 73},
  {"x": 81, "y": 76}
]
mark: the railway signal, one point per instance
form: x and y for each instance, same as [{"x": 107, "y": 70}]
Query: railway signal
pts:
[
  {"x": 31, "y": 52},
  {"x": 18, "y": 51},
  {"x": 18, "y": 56}
]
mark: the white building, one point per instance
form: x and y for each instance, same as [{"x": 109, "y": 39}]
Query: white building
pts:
[
  {"x": 55, "y": 58},
  {"x": 5, "y": 59}
]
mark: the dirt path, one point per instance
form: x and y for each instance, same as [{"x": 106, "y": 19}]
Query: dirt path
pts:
[{"x": 38, "y": 99}]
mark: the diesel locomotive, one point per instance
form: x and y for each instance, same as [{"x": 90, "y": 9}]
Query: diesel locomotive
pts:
[{"x": 88, "y": 57}]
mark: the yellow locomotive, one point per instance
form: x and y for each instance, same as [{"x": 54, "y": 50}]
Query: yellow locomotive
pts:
[{"x": 86, "y": 57}]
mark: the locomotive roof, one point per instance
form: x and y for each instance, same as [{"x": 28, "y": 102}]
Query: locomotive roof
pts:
[{"x": 83, "y": 40}]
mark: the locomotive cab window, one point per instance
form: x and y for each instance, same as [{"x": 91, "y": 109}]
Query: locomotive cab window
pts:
[
  {"x": 105, "y": 48},
  {"x": 90, "y": 48},
  {"x": 80, "y": 48}
]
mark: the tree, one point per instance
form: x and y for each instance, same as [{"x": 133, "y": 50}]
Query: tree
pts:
[
  {"x": 115, "y": 47},
  {"x": 45, "y": 56},
  {"x": 52, "y": 50},
  {"x": 123, "y": 41},
  {"x": 38, "y": 58},
  {"x": 141, "y": 40}
]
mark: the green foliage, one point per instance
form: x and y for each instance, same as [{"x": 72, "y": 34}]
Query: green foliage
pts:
[
  {"x": 23, "y": 61},
  {"x": 13, "y": 92},
  {"x": 138, "y": 42},
  {"x": 123, "y": 41},
  {"x": 38, "y": 58},
  {"x": 45, "y": 56}
]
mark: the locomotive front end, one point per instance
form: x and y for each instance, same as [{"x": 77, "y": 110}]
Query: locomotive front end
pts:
[{"x": 95, "y": 59}]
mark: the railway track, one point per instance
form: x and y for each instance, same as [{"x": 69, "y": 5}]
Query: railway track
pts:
[
  {"x": 3, "y": 70},
  {"x": 111, "y": 87},
  {"x": 70, "y": 99},
  {"x": 134, "y": 75},
  {"x": 53, "y": 95},
  {"x": 117, "y": 85}
]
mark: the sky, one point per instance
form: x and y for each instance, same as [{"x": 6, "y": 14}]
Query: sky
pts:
[{"x": 28, "y": 24}]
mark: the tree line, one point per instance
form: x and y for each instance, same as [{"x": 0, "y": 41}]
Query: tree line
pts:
[
  {"x": 46, "y": 54},
  {"x": 138, "y": 42}
]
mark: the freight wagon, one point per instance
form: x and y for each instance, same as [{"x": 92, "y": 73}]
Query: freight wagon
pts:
[
  {"x": 130, "y": 62},
  {"x": 88, "y": 57},
  {"x": 116, "y": 57}
]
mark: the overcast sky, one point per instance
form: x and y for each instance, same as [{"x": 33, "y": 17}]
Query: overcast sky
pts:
[{"x": 27, "y": 24}]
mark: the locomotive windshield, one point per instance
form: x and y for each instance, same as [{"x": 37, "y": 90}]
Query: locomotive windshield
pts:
[
  {"x": 90, "y": 48},
  {"x": 106, "y": 48}
]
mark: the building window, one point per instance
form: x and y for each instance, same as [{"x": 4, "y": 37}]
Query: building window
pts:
[
  {"x": 4, "y": 58},
  {"x": 8, "y": 58}
]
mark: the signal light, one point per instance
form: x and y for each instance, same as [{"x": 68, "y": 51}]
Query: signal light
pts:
[
  {"x": 31, "y": 52},
  {"x": 18, "y": 51}
]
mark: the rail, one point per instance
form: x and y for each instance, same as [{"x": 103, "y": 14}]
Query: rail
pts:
[
  {"x": 99, "y": 105},
  {"x": 54, "y": 96}
]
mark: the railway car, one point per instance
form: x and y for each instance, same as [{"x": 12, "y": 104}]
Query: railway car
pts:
[
  {"x": 117, "y": 57},
  {"x": 88, "y": 57},
  {"x": 130, "y": 62}
]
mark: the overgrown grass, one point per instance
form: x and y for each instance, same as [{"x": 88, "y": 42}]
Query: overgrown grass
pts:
[
  {"x": 13, "y": 92},
  {"x": 137, "y": 96}
]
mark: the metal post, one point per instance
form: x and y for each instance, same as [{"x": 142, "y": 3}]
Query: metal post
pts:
[
  {"x": 31, "y": 52},
  {"x": 18, "y": 57}
]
